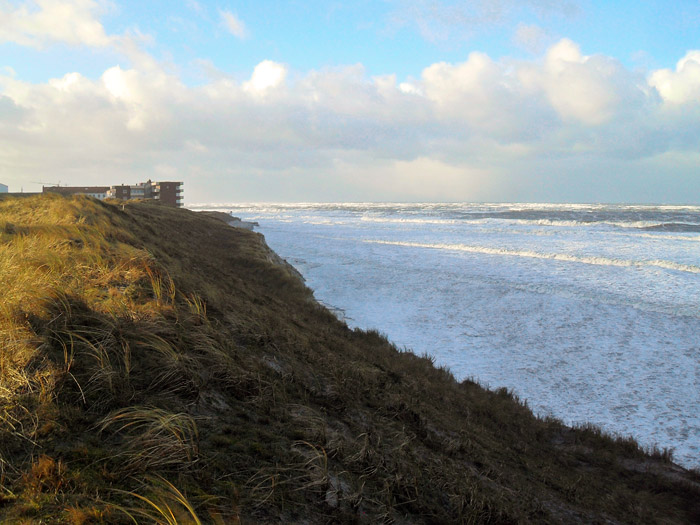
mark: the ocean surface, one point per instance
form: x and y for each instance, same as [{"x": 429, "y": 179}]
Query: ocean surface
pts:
[{"x": 590, "y": 313}]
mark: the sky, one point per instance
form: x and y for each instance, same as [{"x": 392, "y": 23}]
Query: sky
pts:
[{"x": 381, "y": 100}]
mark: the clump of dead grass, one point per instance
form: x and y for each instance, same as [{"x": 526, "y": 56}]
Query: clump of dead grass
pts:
[{"x": 155, "y": 438}]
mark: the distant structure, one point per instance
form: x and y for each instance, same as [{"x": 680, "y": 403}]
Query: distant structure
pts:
[
  {"x": 168, "y": 192},
  {"x": 99, "y": 192},
  {"x": 3, "y": 188}
]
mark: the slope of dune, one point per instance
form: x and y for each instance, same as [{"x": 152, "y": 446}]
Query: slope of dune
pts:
[{"x": 157, "y": 364}]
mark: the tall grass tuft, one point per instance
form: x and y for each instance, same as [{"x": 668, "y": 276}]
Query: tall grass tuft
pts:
[
  {"x": 153, "y": 438},
  {"x": 164, "y": 505}
]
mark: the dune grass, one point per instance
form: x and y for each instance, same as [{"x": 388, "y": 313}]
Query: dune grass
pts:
[{"x": 141, "y": 342}]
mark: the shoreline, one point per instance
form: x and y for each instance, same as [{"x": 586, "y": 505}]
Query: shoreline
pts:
[{"x": 600, "y": 385}]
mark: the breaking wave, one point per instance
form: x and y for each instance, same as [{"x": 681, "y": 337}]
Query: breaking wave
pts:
[{"x": 599, "y": 261}]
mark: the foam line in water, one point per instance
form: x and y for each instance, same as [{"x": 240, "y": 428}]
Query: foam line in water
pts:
[{"x": 599, "y": 261}]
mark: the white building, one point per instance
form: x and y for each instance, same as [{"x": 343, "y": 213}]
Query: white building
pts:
[{"x": 3, "y": 188}]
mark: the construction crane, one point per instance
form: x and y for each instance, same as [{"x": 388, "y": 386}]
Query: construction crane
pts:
[{"x": 54, "y": 184}]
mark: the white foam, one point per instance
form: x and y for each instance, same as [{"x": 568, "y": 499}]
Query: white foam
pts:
[{"x": 600, "y": 261}]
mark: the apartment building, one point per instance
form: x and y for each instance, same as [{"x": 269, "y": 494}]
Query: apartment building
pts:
[{"x": 168, "y": 192}]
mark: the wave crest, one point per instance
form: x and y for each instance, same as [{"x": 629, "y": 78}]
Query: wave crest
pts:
[{"x": 599, "y": 261}]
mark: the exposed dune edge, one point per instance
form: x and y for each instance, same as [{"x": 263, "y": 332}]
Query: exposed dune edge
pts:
[
  {"x": 236, "y": 222},
  {"x": 249, "y": 225},
  {"x": 157, "y": 352}
]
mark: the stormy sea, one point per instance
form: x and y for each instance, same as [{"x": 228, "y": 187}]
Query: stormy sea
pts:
[{"x": 589, "y": 313}]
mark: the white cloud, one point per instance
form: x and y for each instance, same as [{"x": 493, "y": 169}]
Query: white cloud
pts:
[
  {"x": 577, "y": 87},
  {"x": 233, "y": 24},
  {"x": 478, "y": 93},
  {"x": 589, "y": 89},
  {"x": 459, "y": 131},
  {"x": 409, "y": 88},
  {"x": 115, "y": 82},
  {"x": 39, "y": 22},
  {"x": 682, "y": 85},
  {"x": 266, "y": 76}
]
